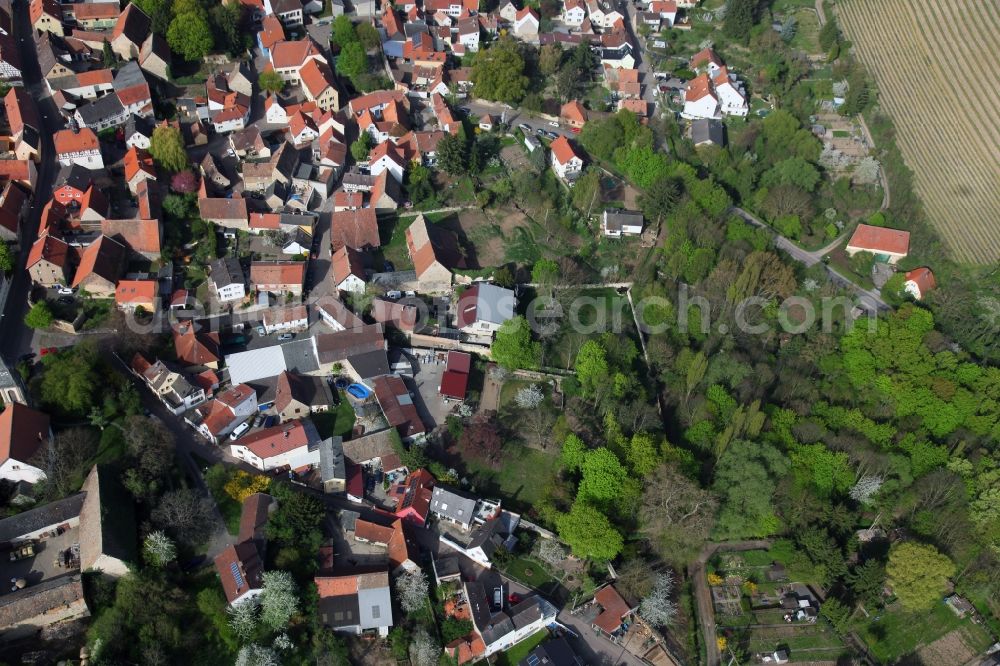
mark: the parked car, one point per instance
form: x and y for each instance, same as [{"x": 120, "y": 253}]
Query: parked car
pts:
[
  {"x": 524, "y": 127},
  {"x": 554, "y": 123},
  {"x": 258, "y": 420},
  {"x": 270, "y": 420},
  {"x": 261, "y": 331},
  {"x": 45, "y": 351},
  {"x": 498, "y": 598},
  {"x": 286, "y": 336},
  {"x": 552, "y": 135},
  {"x": 240, "y": 429},
  {"x": 65, "y": 291}
]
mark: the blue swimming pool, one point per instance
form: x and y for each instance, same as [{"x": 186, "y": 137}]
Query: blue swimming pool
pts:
[{"x": 359, "y": 391}]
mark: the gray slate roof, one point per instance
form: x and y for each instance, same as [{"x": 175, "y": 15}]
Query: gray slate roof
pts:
[
  {"x": 452, "y": 505},
  {"x": 331, "y": 459},
  {"x": 51, "y": 514}
]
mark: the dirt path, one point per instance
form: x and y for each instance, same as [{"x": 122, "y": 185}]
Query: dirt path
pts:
[
  {"x": 703, "y": 595},
  {"x": 490, "y": 399}
]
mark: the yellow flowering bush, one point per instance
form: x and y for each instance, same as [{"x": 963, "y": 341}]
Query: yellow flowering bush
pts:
[
  {"x": 243, "y": 485},
  {"x": 714, "y": 579}
]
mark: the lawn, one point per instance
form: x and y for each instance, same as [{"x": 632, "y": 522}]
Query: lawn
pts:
[
  {"x": 510, "y": 388},
  {"x": 336, "y": 422},
  {"x": 521, "y": 480},
  {"x": 894, "y": 633},
  {"x": 216, "y": 479},
  {"x": 529, "y": 571},
  {"x": 514, "y": 655},
  {"x": 594, "y": 311}
]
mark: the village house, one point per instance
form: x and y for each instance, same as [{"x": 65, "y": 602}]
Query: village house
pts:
[
  {"x": 565, "y": 161},
  {"x": 194, "y": 347},
  {"x": 130, "y": 295},
  {"x": 397, "y": 405},
  {"x": 526, "y": 24},
  {"x": 617, "y": 223},
  {"x": 483, "y": 308},
  {"x": 401, "y": 551},
  {"x": 888, "y": 245},
  {"x": 501, "y": 630},
  {"x": 332, "y": 465},
  {"x": 573, "y": 13},
  {"x": 282, "y": 320},
  {"x": 573, "y": 114},
  {"x": 13, "y": 205},
  {"x": 138, "y": 166},
  {"x": 50, "y": 261},
  {"x": 297, "y": 396},
  {"x": 24, "y": 432},
  {"x": 918, "y": 282},
  {"x": 349, "y": 270},
  {"x": 173, "y": 389},
  {"x": 278, "y": 277},
  {"x": 101, "y": 264},
  {"x": 226, "y": 279},
  {"x": 355, "y": 603},
  {"x": 293, "y": 444},
  {"x": 241, "y": 571},
  {"x": 217, "y": 418},
  {"x": 394, "y": 314},
  {"x": 335, "y": 314},
  {"x": 78, "y": 146},
  {"x": 229, "y": 213},
  {"x": 356, "y": 229}
]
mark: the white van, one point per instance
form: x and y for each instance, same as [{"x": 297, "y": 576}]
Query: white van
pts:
[{"x": 240, "y": 429}]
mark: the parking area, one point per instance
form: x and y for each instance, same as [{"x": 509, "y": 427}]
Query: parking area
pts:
[{"x": 432, "y": 407}]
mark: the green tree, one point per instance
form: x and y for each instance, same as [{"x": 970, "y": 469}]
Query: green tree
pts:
[
  {"x": 70, "y": 381},
  {"x": 866, "y": 582},
  {"x": 586, "y": 192},
  {"x": 918, "y": 574},
  {"x": 549, "y": 59},
  {"x": 6, "y": 258},
  {"x": 793, "y": 171},
  {"x": 545, "y": 271},
  {"x": 745, "y": 479},
  {"x": 643, "y": 453},
  {"x": 589, "y": 533},
  {"x": 604, "y": 478},
  {"x": 659, "y": 199},
  {"x": 498, "y": 73},
  {"x": 158, "y": 11},
  {"x": 224, "y": 18},
  {"x": 342, "y": 32},
  {"x": 108, "y": 57},
  {"x": 513, "y": 347},
  {"x": 167, "y": 148},
  {"x": 352, "y": 61},
  {"x": 453, "y": 154},
  {"x": 190, "y": 36},
  {"x": 573, "y": 453},
  {"x": 271, "y": 81},
  {"x": 361, "y": 147},
  {"x": 740, "y": 18},
  {"x": 367, "y": 35},
  {"x": 419, "y": 183},
  {"x": 591, "y": 366},
  {"x": 39, "y": 316}
]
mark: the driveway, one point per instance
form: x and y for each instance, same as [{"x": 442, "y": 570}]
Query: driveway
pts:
[{"x": 596, "y": 649}]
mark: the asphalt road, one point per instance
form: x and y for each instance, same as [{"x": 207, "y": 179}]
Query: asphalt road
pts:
[
  {"x": 868, "y": 299},
  {"x": 15, "y": 337}
]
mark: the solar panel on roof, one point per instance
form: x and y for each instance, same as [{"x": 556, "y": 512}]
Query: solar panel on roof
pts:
[
  {"x": 237, "y": 576},
  {"x": 533, "y": 660}
]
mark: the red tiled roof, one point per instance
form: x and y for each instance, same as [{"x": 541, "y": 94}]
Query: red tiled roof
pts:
[
  {"x": 563, "y": 150},
  {"x": 880, "y": 240},
  {"x": 96, "y": 10},
  {"x": 137, "y": 160},
  {"x": 354, "y": 228},
  {"x": 243, "y": 559},
  {"x": 285, "y": 55},
  {"x": 195, "y": 348},
  {"x": 336, "y": 586},
  {"x": 142, "y": 235},
  {"x": 51, "y": 249},
  {"x": 459, "y": 362},
  {"x": 132, "y": 291},
  {"x": 372, "y": 532},
  {"x": 573, "y": 111},
  {"x": 704, "y": 57},
  {"x": 698, "y": 88},
  {"x": 103, "y": 258},
  {"x": 923, "y": 278},
  {"x": 614, "y": 607},
  {"x": 276, "y": 440},
  {"x": 22, "y": 432},
  {"x": 271, "y": 31},
  {"x": 83, "y": 140},
  {"x": 399, "y": 315},
  {"x": 316, "y": 77}
]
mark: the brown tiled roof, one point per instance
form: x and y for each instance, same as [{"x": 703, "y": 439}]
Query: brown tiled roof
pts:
[
  {"x": 51, "y": 249},
  {"x": 573, "y": 111},
  {"x": 292, "y": 54},
  {"x": 22, "y": 432},
  {"x": 195, "y": 348},
  {"x": 316, "y": 77},
  {"x": 240, "y": 569},
  {"x": 137, "y": 160},
  {"x": 372, "y": 532},
  {"x": 354, "y": 228},
  {"x": 697, "y": 88},
  {"x": 279, "y": 439},
  {"x": 397, "y": 405},
  {"x": 923, "y": 278},
  {"x": 131, "y": 291},
  {"x": 222, "y": 209},
  {"x": 142, "y": 235},
  {"x": 346, "y": 262},
  {"x": 21, "y": 109},
  {"x": 104, "y": 258},
  {"x": 96, "y": 10},
  {"x": 614, "y": 609},
  {"x": 398, "y": 315},
  {"x": 278, "y": 272},
  {"x": 253, "y": 517},
  {"x": 271, "y": 31},
  {"x": 12, "y": 199}
]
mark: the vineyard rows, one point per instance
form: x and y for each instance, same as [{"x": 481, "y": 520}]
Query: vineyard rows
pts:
[{"x": 938, "y": 73}]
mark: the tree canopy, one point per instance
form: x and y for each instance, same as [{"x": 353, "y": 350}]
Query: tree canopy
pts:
[{"x": 498, "y": 72}]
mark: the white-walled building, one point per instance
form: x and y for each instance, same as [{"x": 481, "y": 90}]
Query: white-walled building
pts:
[
  {"x": 294, "y": 444},
  {"x": 23, "y": 433}
]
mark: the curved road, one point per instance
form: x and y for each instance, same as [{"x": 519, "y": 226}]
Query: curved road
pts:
[
  {"x": 15, "y": 337},
  {"x": 868, "y": 299}
]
